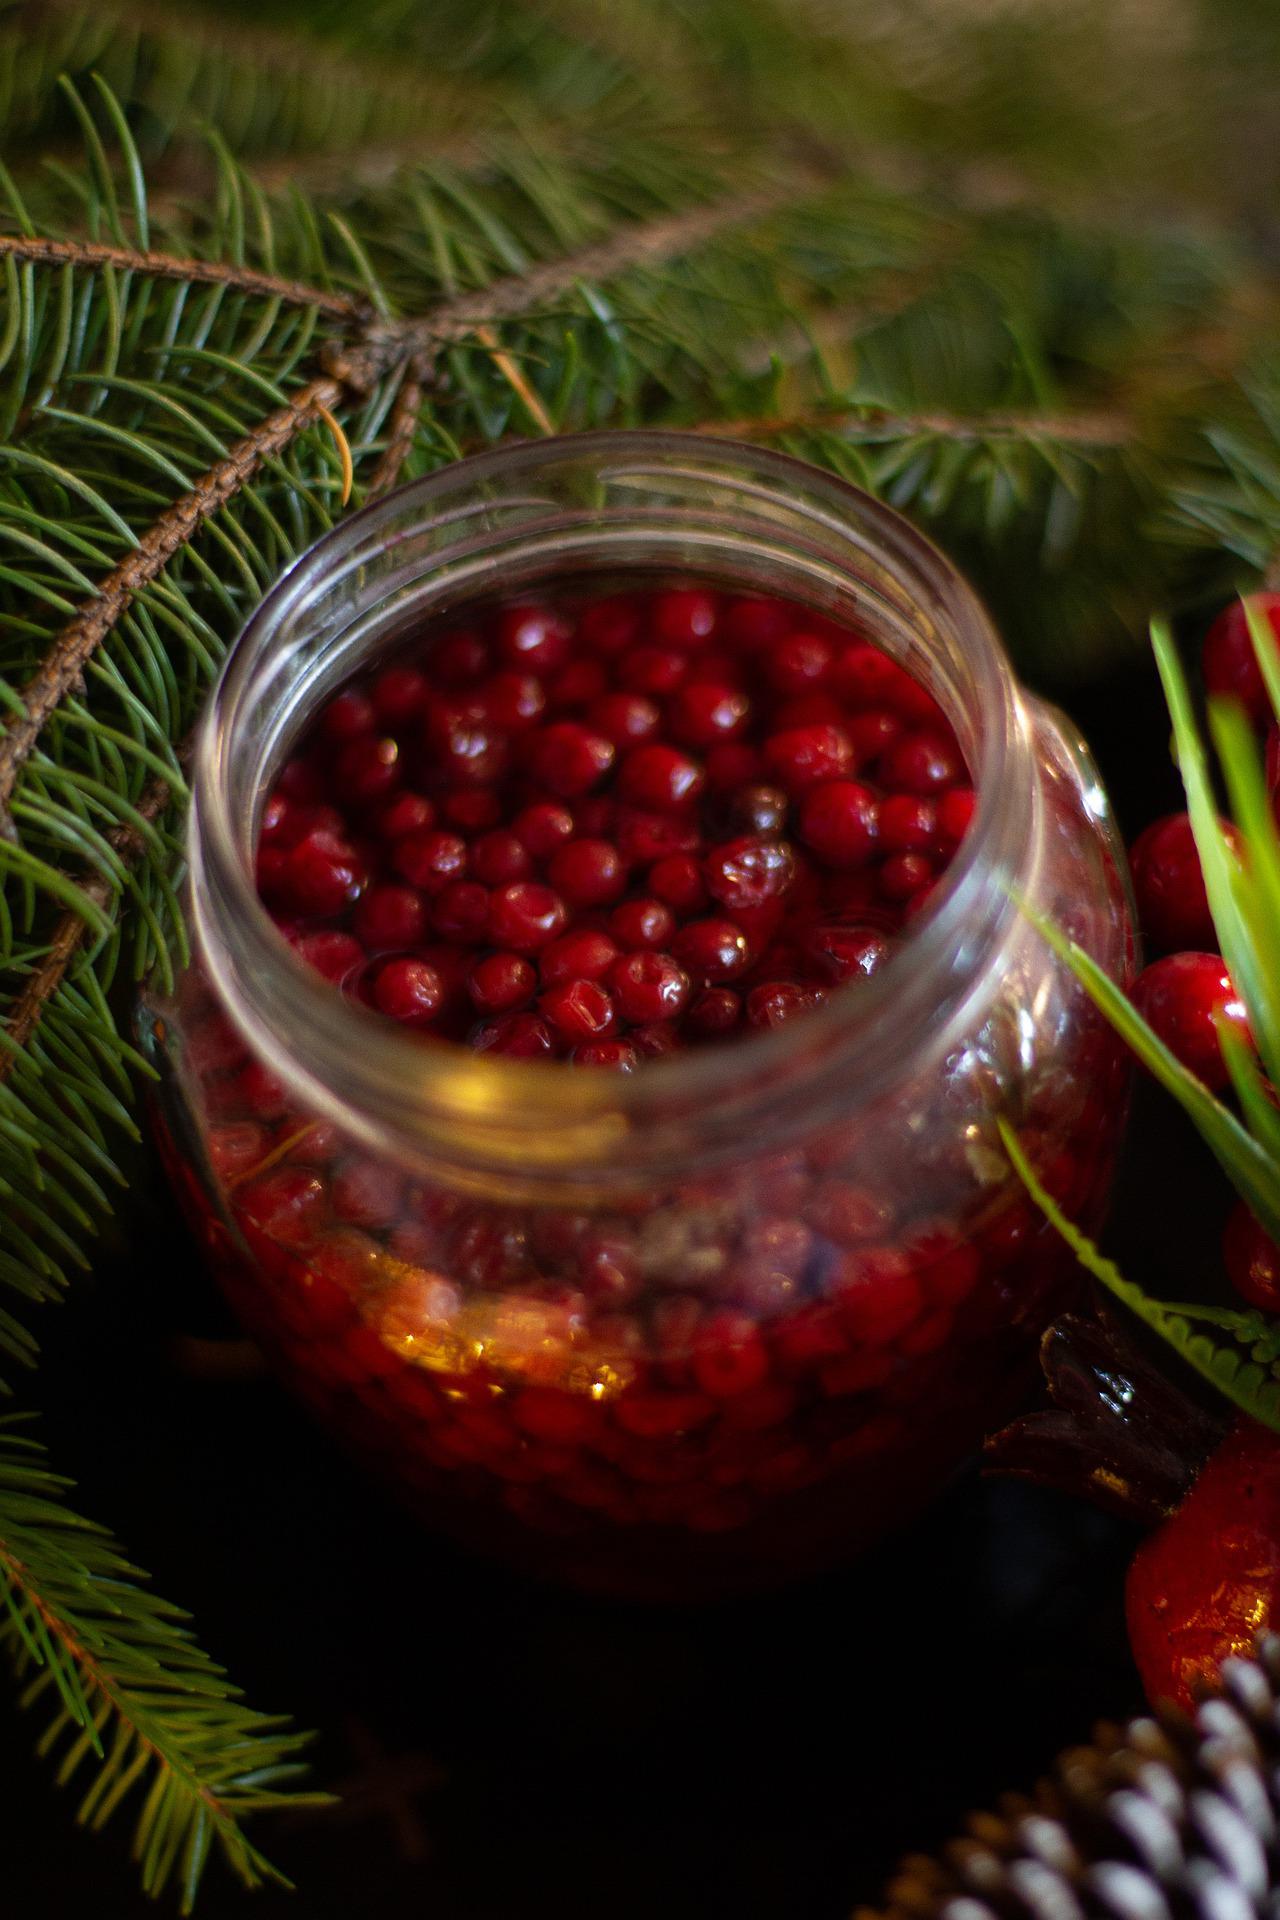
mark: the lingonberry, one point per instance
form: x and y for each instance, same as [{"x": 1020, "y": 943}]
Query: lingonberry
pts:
[
  {"x": 749, "y": 871},
  {"x": 654, "y": 670},
  {"x": 577, "y": 685},
  {"x": 1252, "y": 1260},
  {"x": 499, "y": 857},
  {"x": 715, "y": 1011},
  {"x": 409, "y": 991},
  {"x": 870, "y": 733},
  {"x": 472, "y": 809},
  {"x": 1229, "y": 660},
  {"x": 798, "y": 663},
  {"x": 533, "y": 639},
  {"x": 752, "y": 623},
  {"x": 568, "y": 759},
  {"x": 459, "y": 658},
  {"x": 904, "y": 875},
  {"x": 645, "y": 922},
  {"x": 431, "y": 859},
  {"x": 713, "y": 951},
  {"x": 398, "y": 693},
  {"x": 628, "y": 719},
  {"x": 321, "y": 874},
  {"x": 1168, "y": 885},
  {"x": 349, "y": 714},
  {"x": 908, "y": 824},
  {"x": 660, "y": 778},
  {"x": 334, "y": 954},
  {"x": 513, "y": 700},
  {"x": 921, "y": 762},
  {"x": 676, "y": 880},
  {"x": 460, "y": 912},
  {"x": 776, "y": 1002},
  {"x": 586, "y": 954},
  {"x": 502, "y": 982},
  {"x": 406, "y": 813},
  {"x": 701, "y": 713},
  {"x": 684, "y": 617},
  {"x": 525, "y": 916},
  {"x": 389, "y": 917},
  {"x": 367, "y": 769},
  {"x": 955, "y": 815},
  {"x": 610, "y": 626},
  {"x": 731, "y": 764},
  {"x": 846, "y": 953},
  {"x": 801, "y": 757},
  {"x": 1184, "y": 997},
  {"x": 840, "y": 821},
  {"x": 648, "y": 986},
  {"x": 522, "y": 1035},
  {"x": 588, "y": 872},
  {"x": 618, "y": 1054},
  {"x": 542, "y": 827},
  {"x": 579, "y": 1010}
]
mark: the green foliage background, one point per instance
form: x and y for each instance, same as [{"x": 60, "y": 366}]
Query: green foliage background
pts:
[{"x": 1011, "y": 266}]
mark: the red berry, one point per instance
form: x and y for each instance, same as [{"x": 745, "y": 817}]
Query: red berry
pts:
[
  {"x": 1182, "y": 997},
  {"x": 730, "y": 764},
  {"x": 543, "y": 827},
  {"x": 499, "y": 857},
  {"x": 801, "y": 757},
  {"x": 871, "y": 732},
  {"x": 577, "y": 685},
  {"x": 458, "y": 659},
  {"x": 588, "y": 873},
  {"x": 1169, "y": 885},
  {"x": 430, "y": 860},
  {"x": 460, "y": 912},
  {"x": 502, "y": 982},
  {"x": 1230, "y": 663},
  {"x": 660, "y": 778},
  {"x": 653, "y": 670},
  {"x": 333, "y": 954},
  {"x": 713, "y": 951},
  {"x": 685, "y": 617},
  {"x": 904, "y": 875},
  {"x": 677, "y": 881},
  {"x": 847, "y": 953},
  {"x": 644, "y": 837},
  {"x": 1207, "y": 1582},
  {"x": 642, "y": 923},
  {"x": 716, "y": 1010},
  {"x": 749, "y": 872},
  {"x": 798, "y": 663},
  {"x": 568, "y": 759},
  {"x": 1252, "y": 1260},
  {"x": 399, "y": 694},
  {"x": 466, "y": 748},
  {"x": 907, "y": 824},
  {"x": 513, "y": 701},
  {"x": 522, "y": 1035},
  {"x": 287, "y": 1204},
  {"x": 609, "y": 626},
  {"x": 729, "y": 1357},
  {"x": 525, "y": 916},
  {"x": 628, "y": 719},
  {"x": 752, "y": 623},
  {"x": 472, "y": 809},
  {"x": 409, "y": 991},
  {"x": 579, "y": 1010},
  {"x": 406, "y": 813},
  {"x": 777, "y": 1002},
  {"x": 648, "y": 986},
  {"x": 389, "y": 917},
  {"x": 349, "y": 714},
  {"x": 840, "y": 821},
  {"x": 585, "y": 955},
  {"x": 869, "y": 678},
  {"x": 922, "y": 762},
  {"x": 700, "y": 715},
  {"x": 534, "y": 639},
  {"x": 955, "y": 814},
  {"x": 322, "y": 874},
  {"x": 618, "y": 1054}
]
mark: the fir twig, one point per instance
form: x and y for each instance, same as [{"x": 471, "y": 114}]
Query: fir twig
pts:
[{"x": 93, "y": 256}]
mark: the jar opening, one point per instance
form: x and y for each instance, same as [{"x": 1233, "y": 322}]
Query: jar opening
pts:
[{"x": 599, "y": 507}]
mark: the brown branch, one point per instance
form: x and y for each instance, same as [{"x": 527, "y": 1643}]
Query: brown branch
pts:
[
  {"x": 84, "y": 633},
  {"x": 69, "y": 932},
  {"x": 877, "y": 423},
  {"x": 167, "y": 266},
  {"x": 402, "y": 427}
]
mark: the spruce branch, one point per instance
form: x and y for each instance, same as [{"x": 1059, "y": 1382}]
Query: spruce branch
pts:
[{"x": 94, "y": 256}]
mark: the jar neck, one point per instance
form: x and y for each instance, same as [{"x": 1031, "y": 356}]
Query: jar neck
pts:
[{"x": 516, "y": 519}]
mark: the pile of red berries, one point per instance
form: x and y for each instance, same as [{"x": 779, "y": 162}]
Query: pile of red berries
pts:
[
  {"x": 1187, "y": 993},
  {"x": 616, "y": 826}
]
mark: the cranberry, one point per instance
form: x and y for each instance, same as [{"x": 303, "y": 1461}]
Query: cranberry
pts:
[
  {"x": 847, "y": 953},
  {"x": 287, "y": 1204},
  {"x": 585, "y": 955},
  {"x": 522, "y": 1035},
  {"x": 870, "y": 733},
  {"x": 610, "y": 626},
  {"x": 798, "y": 663},
  {"x": 349, "y": 714},
  {"x": 753, "y": 623},
  {"x": 840, "y": 822},
  {"x": 801, "y": 757},
  {"x": 472, "y": 809},
  {"x": 458, "y": 659},
  {"x": 1183, "y": 997},
  {"x": 469, "y": 748},
  {"x": 502, "y": 982},
  {"x": 408, "y": 991},
  {"x": 749, "y": 872},
  {"x": 500, "y": 856},
  {"x": 777, "y": 1002},
  {"x": 907, "y": 824},
  {"x": 322, "y": 874},
  {"x": 1230, "y": 663},
  {"x": 460, "y": 911},
  {"x": 716, "y": 1010},
  {"x": 333, "y": 954},
  {"x": 579, "y": 1010},
  {"x": 628, "y": 719},
  {"x": 642, "y": 923},
  {"x": 525, "y": 916},
  {"x": 684, "y": 617},
  {"x": 390, "y": 916},
  {"x": 1252, "y": 1260},
  {"x": 955, "y": 814},
  {"x": 534, "y": 639},
  {"x": 654, "y": 670},
  {"x": 729, "y": 1357},
  {"x": 367, "y": 769},
  {"x": 514, "y": 701},
  {"x": 921, "y": 763},
  {"x": 660, "y": 778},
  {"x": 677, "y": 882},
  {"x": 405, "y": 814},
  {"x": 1169, "y": 885},
  {"x": 587, "y": 873},
  {"x": 430, "y": 860},
  {"x": 648, "y": 986},
  {"x": 644, "y": 837},
  {"x": 869, "y": 678},
  {"x": 904, "y": 875},
  {"x": 713, "y": 951},
  {"x": 701, "y": 714},
  {"x": 543, "y": 827},
  {"x": 731, "y": 764},
  {"x": 568, "y": 759},
  {"x": 617, "y": 1054},
  {"x": 399, "y": 694}
]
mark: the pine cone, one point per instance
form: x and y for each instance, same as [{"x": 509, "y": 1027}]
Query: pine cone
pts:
[{"x": 1160, "y": 1820}]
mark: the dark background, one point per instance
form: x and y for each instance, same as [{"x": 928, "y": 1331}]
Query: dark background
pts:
[{"x": 507, "y": 1750}]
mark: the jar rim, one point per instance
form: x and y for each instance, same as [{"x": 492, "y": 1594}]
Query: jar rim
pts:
[{"x": 492, "y": 1117}]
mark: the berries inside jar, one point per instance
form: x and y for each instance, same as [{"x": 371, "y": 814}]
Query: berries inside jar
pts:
[
  {"x": 600, "y": 832},
  {"x": 766, "y": 790}
]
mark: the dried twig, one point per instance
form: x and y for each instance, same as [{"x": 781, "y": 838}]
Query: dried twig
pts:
[
  {"x": 94, "y": 256},
  {"x": 1100, "y": 429}
]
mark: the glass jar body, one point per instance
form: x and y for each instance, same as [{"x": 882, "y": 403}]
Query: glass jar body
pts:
[{"x": 713, "y": 1340}]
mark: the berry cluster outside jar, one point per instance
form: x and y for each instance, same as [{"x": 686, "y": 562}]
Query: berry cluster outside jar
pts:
[{"x": 736, "y": 1308}]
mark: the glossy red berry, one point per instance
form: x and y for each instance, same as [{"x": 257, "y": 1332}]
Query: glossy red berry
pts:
[
  {"x": 717, "y": 1010},
  {"x": 588, "y": 873},
  {"x": 471, "y": 809},
  {"x": 799, "y": 662},
  {"x": 349, "y": 714},
  {"x": 460, "y": 912},
  {"x": 334, "y": 954},
  {"x": 523, "y": 1035},
  {"x": 921, "y": 762},
  {"x": 1229, "y": 661},
  {"x": 700, "y": 714},
  {"x": 1183, "y": 997},
  {"x": 840, "y": 822},
  {"x": 404, "y": 814},
  {"x": 1168, "y": 885},
  {"x": 777, "y": 1002},
  {"x": 586, "y": 954},
  {"x": 713, "y": 951},
  {"x": 908, "y": 823},
  {"x": 610, "y": 626},
  {"x": 322, "y": 874},
  {"x": 430, "y": 860},
  {"x": 956, "y": 809},
  {"x": 458, "y": 659},
  {"x": 579, "y": 1010},
  {"x": 398, "y": 695},
  {"x": 499, "y": 857},
  {"x": 367, "y": 769},
  {"x": 568, "y": 759},
  {"x": 533, "y": 639},
  {"x": 847, "y": 953},
  {"x": 677, "y": 881},
  {"x": 543, "y": 827},
  {"x": 525, "y": 916},
  {"x": 648, "y": 986},
  {"x": 642, "y": 923},
  {"x": 684, "y": 617},
  {"x": 502, "y": 982},
  {"x": 801, "y": 757},
  {"x": 618, "y": 1054},
  {"x": 904, "y": 875},
  {"x": 749, "y": 871},
  {"x": 409, "y": 991},
  {"x": 514, "y": 700},
  {"x": 1252, "y": 1260},
  {"x": 660, "y": 778},
  {"x": 389, "y": 917},
  {"x": 628, "y": 719}
]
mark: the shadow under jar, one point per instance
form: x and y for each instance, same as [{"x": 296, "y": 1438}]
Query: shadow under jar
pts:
[{"x": 725, "y": 1317}]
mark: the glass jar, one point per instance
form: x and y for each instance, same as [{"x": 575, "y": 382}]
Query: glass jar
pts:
[{"x": 825, "y": 1282}]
